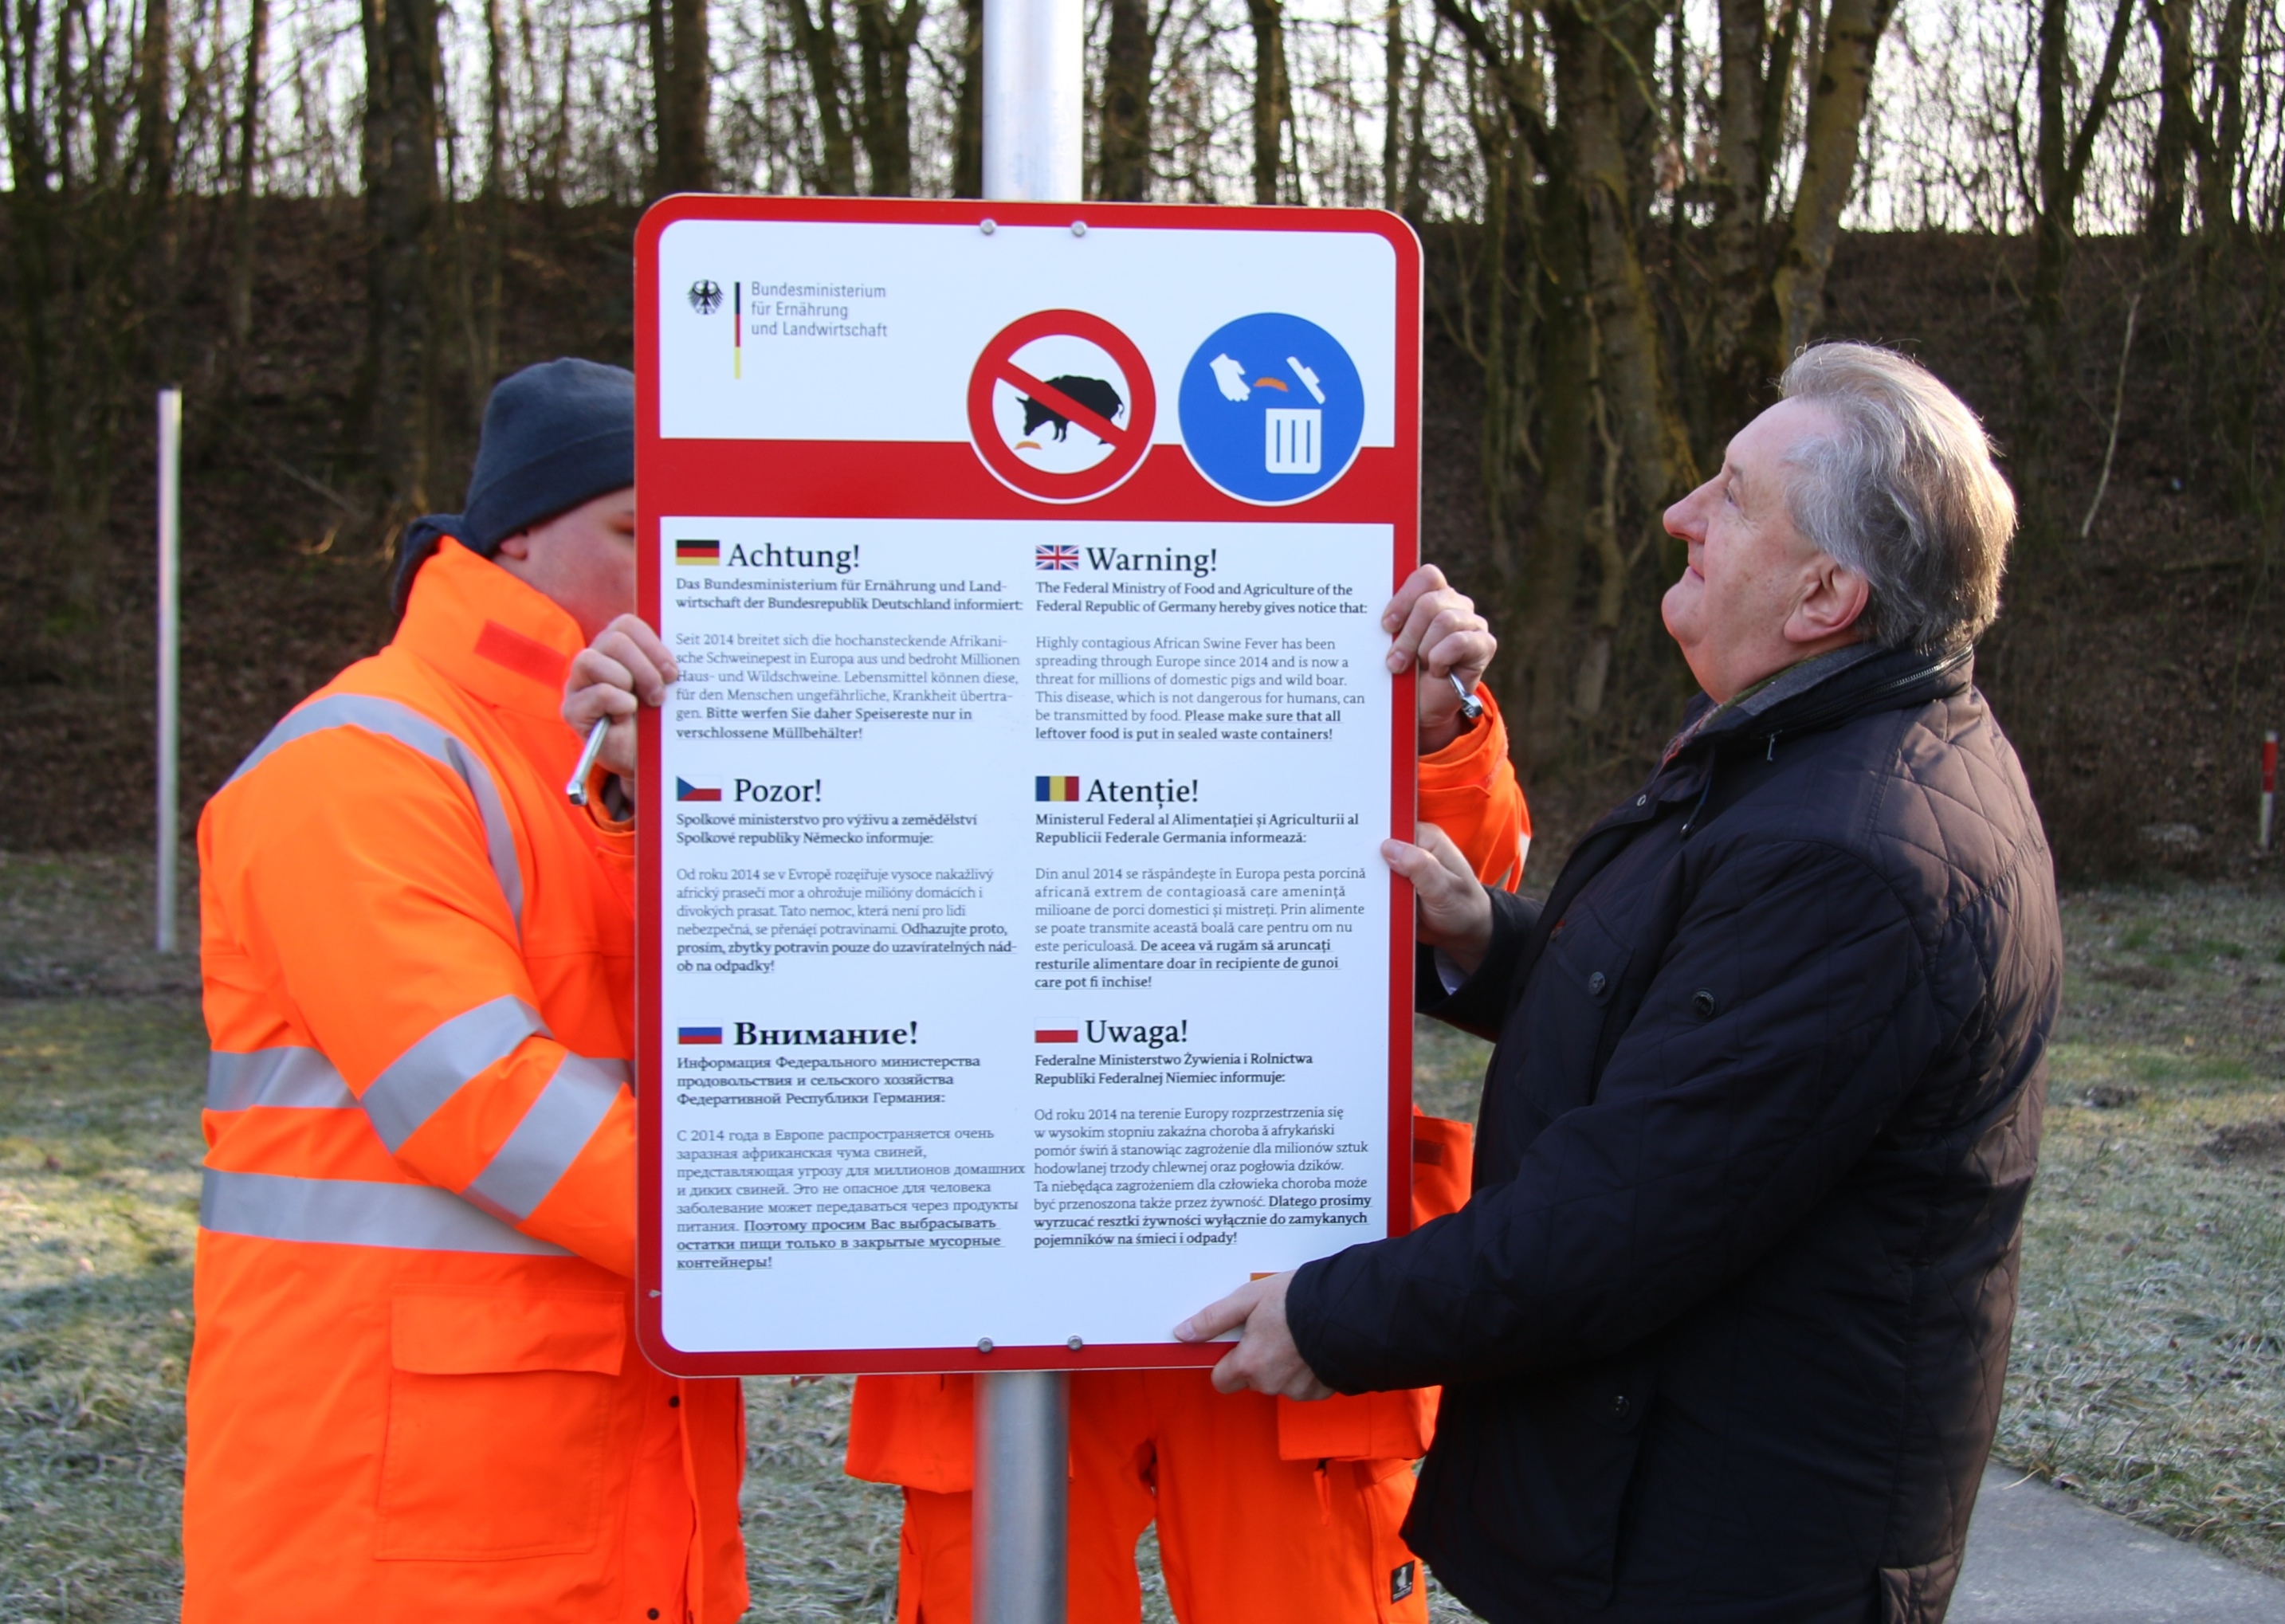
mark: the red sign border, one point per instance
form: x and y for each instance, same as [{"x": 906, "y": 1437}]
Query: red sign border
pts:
[
  {"x": 1141, "y": 407},
  {"x": 948, "y": 480}
]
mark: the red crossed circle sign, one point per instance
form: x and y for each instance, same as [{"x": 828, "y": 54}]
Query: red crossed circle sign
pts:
[{"x": 1129, "y": 441}]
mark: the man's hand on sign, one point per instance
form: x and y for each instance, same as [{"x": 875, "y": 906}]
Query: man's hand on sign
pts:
[
  {"x": 1265, "y": 1358},
  {"x": 1437, "y": 628},
  {"x": 1454, "y": 914},
  {"x": 625, "y": 668}
]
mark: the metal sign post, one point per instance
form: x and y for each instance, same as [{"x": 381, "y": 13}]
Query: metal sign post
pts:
[
  {"x": 169, "y": 637},
  {"x": 1034, "y": 94}
]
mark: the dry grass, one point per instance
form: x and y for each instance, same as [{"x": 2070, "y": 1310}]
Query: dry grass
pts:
[
  {"x": 2149, "y": 1362},
  {"x": 2150, "y": 1370}
]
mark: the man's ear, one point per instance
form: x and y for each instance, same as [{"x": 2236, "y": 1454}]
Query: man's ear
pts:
[
  {"x": 517, "y": 546},
  {"x": 1833, "y": 605}
]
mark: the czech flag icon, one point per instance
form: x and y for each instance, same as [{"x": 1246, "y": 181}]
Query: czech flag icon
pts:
[{"x": 685, "y": 790}]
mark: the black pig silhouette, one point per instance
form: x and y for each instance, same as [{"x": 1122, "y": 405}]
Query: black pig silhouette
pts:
[{"x": 1093, "y": 393}]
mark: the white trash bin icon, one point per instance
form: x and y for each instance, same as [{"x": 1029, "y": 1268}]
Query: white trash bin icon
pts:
[{"x": 1295, "y": 439}]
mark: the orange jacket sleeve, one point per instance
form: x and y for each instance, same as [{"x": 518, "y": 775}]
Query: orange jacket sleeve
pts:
[
  {"x": 359, "y": 878},
  {"x": 1469, "y": 790}
]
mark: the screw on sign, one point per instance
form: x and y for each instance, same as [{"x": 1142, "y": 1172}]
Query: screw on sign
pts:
[{"x": 1061, "y": 406}]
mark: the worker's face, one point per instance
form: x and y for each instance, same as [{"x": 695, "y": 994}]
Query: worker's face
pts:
[
  {"x": 1757, "y": 594},
  {"x": 584, "y": 559}
]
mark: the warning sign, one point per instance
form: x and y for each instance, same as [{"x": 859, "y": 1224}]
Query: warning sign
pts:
[
  {"x": 1018, "y": 966},
  {"x": 1061, "y": 406}
]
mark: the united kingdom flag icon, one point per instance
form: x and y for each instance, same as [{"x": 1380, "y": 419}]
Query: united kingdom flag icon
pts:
[{"x": 1056, "y": 558}]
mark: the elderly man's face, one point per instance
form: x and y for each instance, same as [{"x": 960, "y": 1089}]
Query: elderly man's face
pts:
[{"x": 1757, "y": 596}]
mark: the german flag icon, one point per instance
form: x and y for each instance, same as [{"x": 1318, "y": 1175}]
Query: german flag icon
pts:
[{"x": 697, "y": 552}]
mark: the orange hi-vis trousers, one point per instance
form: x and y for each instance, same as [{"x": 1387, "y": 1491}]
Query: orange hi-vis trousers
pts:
[{"x": 1268, "y": 1511}]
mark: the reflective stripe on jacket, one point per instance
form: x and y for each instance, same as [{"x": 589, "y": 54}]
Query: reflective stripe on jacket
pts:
[{"x": 415, "y": 1391}]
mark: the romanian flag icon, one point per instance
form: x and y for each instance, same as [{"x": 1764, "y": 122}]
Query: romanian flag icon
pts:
[
  {"x": 697, "y": 552},
  {"x": 1055, "y": 789},
  {"x": 685, "y": 790},
  {"x": 698, "y": 1034},
  {"x": 1056, "y": 1034}
]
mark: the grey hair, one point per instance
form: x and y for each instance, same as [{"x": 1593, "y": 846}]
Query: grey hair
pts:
[{"x": 1903, "y": 492}]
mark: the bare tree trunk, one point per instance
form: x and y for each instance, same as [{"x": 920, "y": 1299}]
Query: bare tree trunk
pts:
[
  {"x": 1123, "y": 160},
  {"x": 241, "y": 300},
  {"x": 2173, "y": 22},
  {"x": 1549, "y": 586},
  {"x": 967, "y": 110},
  {"x": 558, "y": 137},
  {"x": 154, "y": 182},
  {"x": 2062, "y": 157},
  {"x": 1591, "y": 83},
  {"x": 818, "y": 41},
  {"x": 885, "y": 39},
  {"x": 1828, "y": 169},
  {"x": 483, "y": 365},
  {"x": 682, "y": 83},
  {"x": 1415, "y": 205},
  {"x": 2231, "y": 373},
  {"x": 1757, "y": 76},
  {"x": 1273, "y": 96},
  {"x": 1391, "y": 121},
  {"x": 400, "y": 206}
]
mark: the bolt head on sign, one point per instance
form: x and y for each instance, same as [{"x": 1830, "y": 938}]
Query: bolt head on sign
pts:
[
  {"x": 1272, "y": 409},
  {"x": 1061, "y": 406}
]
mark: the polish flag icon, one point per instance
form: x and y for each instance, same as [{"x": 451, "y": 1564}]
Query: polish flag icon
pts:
[{"x": 1056, "y": 1034}]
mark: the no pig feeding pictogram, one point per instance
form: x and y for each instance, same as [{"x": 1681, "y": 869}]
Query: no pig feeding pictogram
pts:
[{"x": 1061, "y": 406}]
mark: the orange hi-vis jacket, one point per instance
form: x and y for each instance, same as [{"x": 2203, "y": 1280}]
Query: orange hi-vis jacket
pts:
[
  {"x": 415, "y": 1392},
  {"x": 918, "y": 1431}
]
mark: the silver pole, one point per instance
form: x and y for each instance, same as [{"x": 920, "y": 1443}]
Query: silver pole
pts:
[
  {"x": 171, "y": 551},
  {"x": 1023, "y": 1433},
  {"x": 1033, "y": 99},
  {"x": 1033, "y": 105}
]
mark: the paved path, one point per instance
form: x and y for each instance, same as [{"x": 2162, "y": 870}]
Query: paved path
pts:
[{"x": 2036, "y": 1556}]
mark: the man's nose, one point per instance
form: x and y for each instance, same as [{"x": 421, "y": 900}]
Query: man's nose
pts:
[{"x": 1681, "y": 519}]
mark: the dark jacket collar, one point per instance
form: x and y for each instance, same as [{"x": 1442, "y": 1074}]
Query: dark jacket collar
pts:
[{"x": 1828, "y": 690}]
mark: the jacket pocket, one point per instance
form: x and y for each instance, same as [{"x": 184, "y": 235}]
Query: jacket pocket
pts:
[
  {"x": 1365, "y": 1427},
  {"x": 499, "y": 1423},
  {"x": 1557, "y": 1453},
  {"x": 1574, "y": 992}
]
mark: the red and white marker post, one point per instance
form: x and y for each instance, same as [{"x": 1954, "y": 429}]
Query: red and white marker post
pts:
[{"x": 2268, "y": 786}]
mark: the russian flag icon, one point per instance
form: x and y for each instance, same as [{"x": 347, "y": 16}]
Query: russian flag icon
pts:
[
  {"x": 685, "y": 790},
  {"x": 698, "y": 1034}
]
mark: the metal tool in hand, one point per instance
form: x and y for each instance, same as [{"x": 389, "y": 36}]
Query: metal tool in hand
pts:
[
  {"x": 576, "y": 791},
  {"x": 1471, "y": 706}
]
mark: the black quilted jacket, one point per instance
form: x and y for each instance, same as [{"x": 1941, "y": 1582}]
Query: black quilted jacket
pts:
[{"x": 1723, "y": 1326}]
